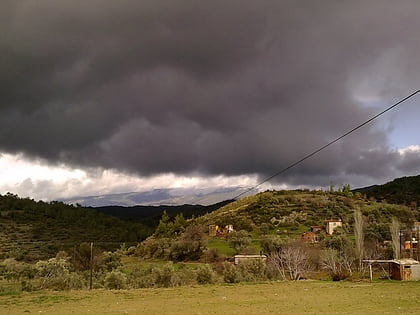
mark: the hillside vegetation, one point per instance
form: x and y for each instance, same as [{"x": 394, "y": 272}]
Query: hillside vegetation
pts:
[
  {"x": 304, "y": 208},
  {"x": 181, "y": 251},
  {"x": 31, "y": 230},
  {"x": 404, "y": 190},
  {"x": 150, "y": 215}
]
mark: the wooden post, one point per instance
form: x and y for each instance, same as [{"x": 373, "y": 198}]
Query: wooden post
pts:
[
  {"x": 370, "y": 272},
  {"x": 91, "y": 266}
]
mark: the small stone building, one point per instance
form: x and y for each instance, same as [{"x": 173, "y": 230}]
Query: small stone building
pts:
[{"x": 331, "y": 225}]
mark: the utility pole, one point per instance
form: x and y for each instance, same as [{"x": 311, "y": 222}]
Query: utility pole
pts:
[{"x": 91, "y": 266}]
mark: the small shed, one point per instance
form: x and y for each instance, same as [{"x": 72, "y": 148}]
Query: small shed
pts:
[
  {"x": 242, "y": 258},
  {"x": 405, "y": 269},
  {"x": 399, "y": 269}
]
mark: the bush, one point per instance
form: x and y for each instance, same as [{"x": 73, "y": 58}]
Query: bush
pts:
[
  {"x": 185, "y": 274},
  {"x": 338, "y": 264},
  {"x": 212, "y": 255},
  {"x": 253, "y": 270},
  {"x": 190, "y": 246},
  {"x": 75, "y": 281},
  {"x": 110, "y": 261},
  {"x": 55, "y": 275},
  {"x": 264, "y": 228},
  {"x": 15, "y": 270},
  {"x": 115, "y": 280},
  {"x": 205, "y": 275},
  {"x": 141, "y": 278},
  {"x": 230, "y": 273},
  {"x": 27, "y": 286},
  {"x": 271, "y": 243},
  {"x": 152, "y": 247},
  {"x": 238, "y": 240},
  {"x": 166, "y": 276}
]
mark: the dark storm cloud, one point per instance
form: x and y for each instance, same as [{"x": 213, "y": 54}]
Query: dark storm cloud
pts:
[{"x": 216, "y": 87}]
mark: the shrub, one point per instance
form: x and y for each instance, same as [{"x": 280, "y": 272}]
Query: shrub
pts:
[
  {"x": 190, "y": 246},
  {"x": 253, "y": 270},
  {"x": 82, "y": 257},
  {"x": 15, "y": 270},
  {"x": 291, "y": 262},
  {"x": 338, "y": 264},
  {"x": 52, "y": 268},
  {"x": 211, "y": 255},
  {"x": 115, "y": 280},
  {"x": 185, "y": 275},
  {"x": 238, "y": 240},
  {"x": 27, "y": 286},
  {"x": 54, "y": 273},
  {"x": 75, "y": 281},
  {"x": 264, "y": 228},
  {"x": 230, "y": 273},
  {"x": 166, "y": 276},
  {"x": 154, "y": 248},
  {"x": 110, "y": 261},
  {"x": 205, "y": 275},
  {"x": 141, "y": 278},
  {"x": 271, "y": 243}
]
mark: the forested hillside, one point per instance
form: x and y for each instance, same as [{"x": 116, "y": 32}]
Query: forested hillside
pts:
[
  {"x": 32, "y": 230},
  {"x": 404, "y": 190},
  {"x": 150, "y": 215}
]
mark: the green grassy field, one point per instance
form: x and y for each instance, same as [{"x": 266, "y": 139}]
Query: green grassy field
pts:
[{"x": 314, "y": 297}]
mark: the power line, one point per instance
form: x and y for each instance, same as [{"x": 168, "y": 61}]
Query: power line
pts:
[{"x": 326, "y": 145}]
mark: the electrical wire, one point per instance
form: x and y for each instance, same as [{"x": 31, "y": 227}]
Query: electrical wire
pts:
[{"x": 307, "y": 156}]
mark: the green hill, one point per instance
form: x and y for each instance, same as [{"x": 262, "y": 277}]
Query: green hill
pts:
[
  {"x": 31, "y": 230},
  {"x": 404, "y": 190},
  {"x": 300, "y": 209}
]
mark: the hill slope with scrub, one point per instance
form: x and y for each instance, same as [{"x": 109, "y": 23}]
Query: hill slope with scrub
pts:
[{"x": 304, "y": 208}]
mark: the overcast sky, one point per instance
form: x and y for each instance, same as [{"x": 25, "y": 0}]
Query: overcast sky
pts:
[{"x": 106, "y": 96}]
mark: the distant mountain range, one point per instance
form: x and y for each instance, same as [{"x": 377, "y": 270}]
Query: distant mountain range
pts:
[
  {"x": 170, "y": 197},
  {"x": 402, "y": 190}
]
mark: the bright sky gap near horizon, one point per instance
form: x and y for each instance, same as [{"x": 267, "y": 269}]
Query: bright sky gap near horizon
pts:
[{"x": 102, "y": 97}]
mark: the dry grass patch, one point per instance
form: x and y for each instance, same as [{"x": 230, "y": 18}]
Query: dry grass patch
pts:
[{"x": 263, "y": 298}]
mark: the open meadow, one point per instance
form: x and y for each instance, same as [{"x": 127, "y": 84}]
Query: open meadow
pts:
[{"x": 316, "y": 297}]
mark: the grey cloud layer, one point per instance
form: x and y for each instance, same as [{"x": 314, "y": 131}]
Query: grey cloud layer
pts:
[{"x": 216, "y": 87}]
